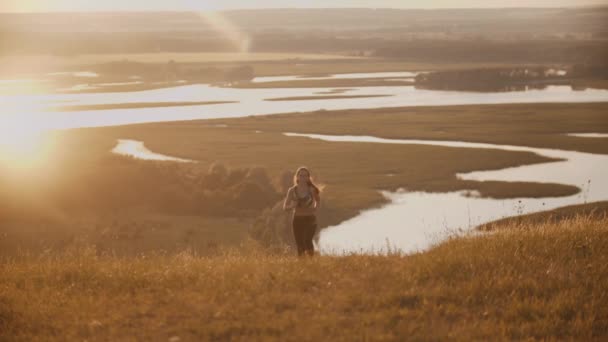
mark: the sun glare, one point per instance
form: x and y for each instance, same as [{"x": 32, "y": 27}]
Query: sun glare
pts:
[{"x": 22, "y": 147}]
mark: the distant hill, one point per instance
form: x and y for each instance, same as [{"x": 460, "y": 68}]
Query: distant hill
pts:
[
  {"x": 483, "y": 21},
  {"x": 359, "y": 32}
]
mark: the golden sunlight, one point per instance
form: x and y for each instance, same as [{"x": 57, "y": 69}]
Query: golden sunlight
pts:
[{"x": 22, "y": 146}]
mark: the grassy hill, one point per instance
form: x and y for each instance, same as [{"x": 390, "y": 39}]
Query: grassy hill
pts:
[{"x": 540, "y": 281}]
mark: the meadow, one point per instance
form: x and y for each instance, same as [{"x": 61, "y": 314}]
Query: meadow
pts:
[{"x": 543, "y": 281}]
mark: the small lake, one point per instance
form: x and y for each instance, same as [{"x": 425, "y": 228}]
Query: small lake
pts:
[{"x": 136, "y": 149}]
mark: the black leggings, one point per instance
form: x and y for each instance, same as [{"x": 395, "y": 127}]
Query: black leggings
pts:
[{"x": 304, "y": 228}]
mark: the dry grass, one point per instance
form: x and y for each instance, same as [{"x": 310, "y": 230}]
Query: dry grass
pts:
[
  {"x": 126, "y": 234},
  {"x": 596, "y": 210},
  {"x": 543, "y": 281}
]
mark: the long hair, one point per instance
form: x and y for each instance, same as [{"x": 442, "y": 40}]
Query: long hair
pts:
[{"x": 311, "y": 183}]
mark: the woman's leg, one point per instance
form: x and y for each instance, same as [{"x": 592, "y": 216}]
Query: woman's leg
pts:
[
  {"x": 311, "y": 229},
  {"x": 299, "y": 234}
]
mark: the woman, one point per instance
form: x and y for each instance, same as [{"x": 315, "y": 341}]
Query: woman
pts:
[{"x": 304, "y": 197}]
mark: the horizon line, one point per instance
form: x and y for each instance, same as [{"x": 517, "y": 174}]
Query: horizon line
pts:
[{"x": 143, "y": 11}]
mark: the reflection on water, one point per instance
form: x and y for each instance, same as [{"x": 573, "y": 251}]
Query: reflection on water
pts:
[
  {"x": 118, "y": 83},
  {"x": 19, "y": 81},
  {"x": 556, "y": 72},
  {"x": 89, "y": 74},
  {"x": 17, "y": 86},
  {"x": 77, "y": 87},
  {"x": 87, "y": 86},
  {"x": 589, "y": 135},
  {"x": 251, "y": 102},
  {"x": 136, "y": 149},
  {"x": 415, "y": 220}
]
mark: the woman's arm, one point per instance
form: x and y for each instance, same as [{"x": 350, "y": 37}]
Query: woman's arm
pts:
[{"x": 288, "y": 203}]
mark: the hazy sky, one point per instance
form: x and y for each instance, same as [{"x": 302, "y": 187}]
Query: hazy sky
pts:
[{"x": 181, "y": 5}]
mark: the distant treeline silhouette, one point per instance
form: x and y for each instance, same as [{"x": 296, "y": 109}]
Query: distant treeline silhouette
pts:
[{"x": 507, "y": 79}]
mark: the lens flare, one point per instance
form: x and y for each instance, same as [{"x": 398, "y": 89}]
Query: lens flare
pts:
[{"x": 239, "y": 39}]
